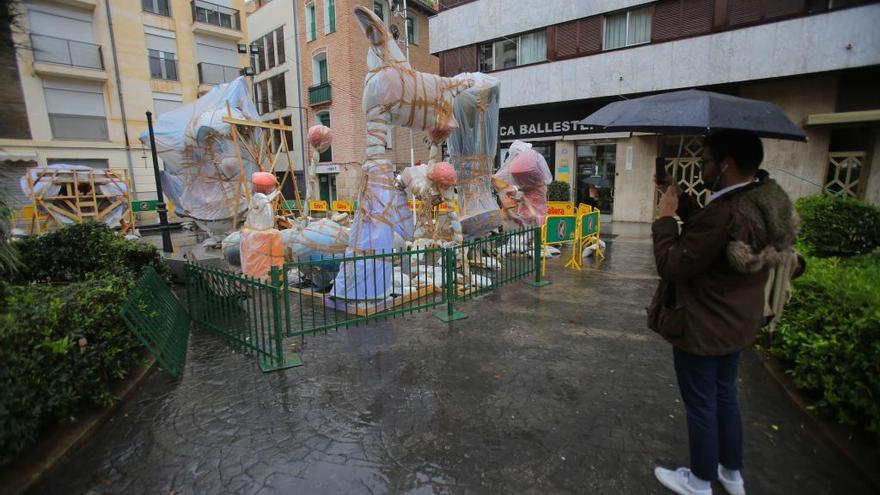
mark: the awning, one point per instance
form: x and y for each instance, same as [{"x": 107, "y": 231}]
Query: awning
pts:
[
  {"x": 13, "y": 155},
  {"x": 843, "y": 117}
]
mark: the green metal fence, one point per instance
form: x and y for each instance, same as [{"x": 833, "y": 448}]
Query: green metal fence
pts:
[
  {"x": 329, "y": 293},
  {"x": 245, "y": 310},
  {"x": 156, "y": 317}
]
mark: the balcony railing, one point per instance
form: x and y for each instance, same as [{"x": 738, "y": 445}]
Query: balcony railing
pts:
[
  {"x": 319, "y": 94},
  {"x": 67, "y": 52},
  {"x": 216, "y": 74},
  {"x": 217, "y": 15}
]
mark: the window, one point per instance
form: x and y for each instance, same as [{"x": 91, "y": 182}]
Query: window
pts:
[
  {"x": 156, "y": 7},
  {"x": 163, "y": 65},
  {"x": 632, "y": 27},
  {"x": 279, "y": 45},
  {"x": 270, "y": 94},
  {"x": 76, "y": 110},
  {"x": 270, "y": 51},
  {"x": 514, "y": 51},
  {"x": 329, "y": 16},
  {"x": 166, "y": 102},
  {"x": 311, "y": 29},
  {"x": 324, "y": 119},
  {"x": 412, "y": 28},
  {"x": 379, "y": 9},
  {"x": 320, "y": 74}
]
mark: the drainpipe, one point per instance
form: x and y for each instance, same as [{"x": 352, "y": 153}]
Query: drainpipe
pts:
[
  {"x": 302, "y": 132},
  {"x": 121, "y": 101}
]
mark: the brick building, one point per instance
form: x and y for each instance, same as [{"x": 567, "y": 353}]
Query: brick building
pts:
[
  {"x": 332, "y": 53},
  {"x": 819, "y": 60}
]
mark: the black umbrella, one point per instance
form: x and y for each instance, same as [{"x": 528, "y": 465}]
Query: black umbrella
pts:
[{"x": 695, "y": 112}]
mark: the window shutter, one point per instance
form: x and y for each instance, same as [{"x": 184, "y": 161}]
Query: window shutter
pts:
[
  {"x": 667, "y": 21},
  {"x": 696, "y": 17},
  {"x": 567, "y": 39},
  {"x": 743, "y": 11},
  {"x": 590, "y": 35},
  {"x": 782, "y": 8}
]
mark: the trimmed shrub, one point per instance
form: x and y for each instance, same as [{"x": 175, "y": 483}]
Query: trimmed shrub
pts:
[
  {"x": 62, "y": 348},
  {"x": 838, "y": 226},
  {"x": 558, "y": 191},
  {"x": 62, "y": 340},
  {"x": 829, "y": 337}
]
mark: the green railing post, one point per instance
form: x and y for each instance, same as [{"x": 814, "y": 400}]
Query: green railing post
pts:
[
  {"x": 449, "y": 263},
  {"x": 537, "y": 257},
  {"x": 278, "y": 361}
]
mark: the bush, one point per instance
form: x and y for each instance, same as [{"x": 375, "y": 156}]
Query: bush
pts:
[
  {"x": 559, "y": 191},
  {"x": 829, "y": 337},
  {"x": 82, "y": 251},
  {"x": 838, "y": 226},
  {"x": 62, "y": 348}
]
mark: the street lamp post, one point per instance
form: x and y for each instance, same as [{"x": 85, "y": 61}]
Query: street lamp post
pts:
[{"x": 160, "y": 205}]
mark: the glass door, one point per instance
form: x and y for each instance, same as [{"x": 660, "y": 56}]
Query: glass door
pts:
[{"x": 596, "y": 163}]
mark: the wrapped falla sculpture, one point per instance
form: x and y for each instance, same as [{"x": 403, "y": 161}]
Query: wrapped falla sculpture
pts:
[
  {"x": 521, "y": 183},
  {"x": 261, "y": 243}
]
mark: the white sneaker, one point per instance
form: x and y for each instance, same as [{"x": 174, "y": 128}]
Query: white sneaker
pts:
[
  {"x": 677, "y": 481},
  {"x": 730, "y": 486}
]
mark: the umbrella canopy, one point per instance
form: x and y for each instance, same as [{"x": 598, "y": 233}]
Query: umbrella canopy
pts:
[{"x": 695, "y": 112}]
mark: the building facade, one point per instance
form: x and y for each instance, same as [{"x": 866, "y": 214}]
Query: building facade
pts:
[
  {"x": 333, "y": 53},
  {"x": 84, "y": 72},
  {"x": 819, "y": 60},
  {"x": 275, "y": 59}
]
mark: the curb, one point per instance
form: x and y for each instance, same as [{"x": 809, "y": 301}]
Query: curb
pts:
[
  {"x": 58, "y": 443},
  {"x": 836, "y": 439}
]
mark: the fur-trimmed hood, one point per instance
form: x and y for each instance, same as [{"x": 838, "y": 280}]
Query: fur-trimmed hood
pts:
[{"x": 764, "y": 226}]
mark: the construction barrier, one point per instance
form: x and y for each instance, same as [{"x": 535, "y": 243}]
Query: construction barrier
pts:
[
  {"x": 589, "y": 226},
  {"x": 561, "y": 229}
]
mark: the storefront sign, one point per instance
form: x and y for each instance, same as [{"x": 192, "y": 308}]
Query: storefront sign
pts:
[
  {"x": 318, "y": 205},
  {"x": 328, "y": 169},
  {"x": 546, "y": 120},
  {"x": 560, "y": 208},
  {"x": 343, "y": 206}
]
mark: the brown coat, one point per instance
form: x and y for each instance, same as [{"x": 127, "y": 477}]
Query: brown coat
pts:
[{"x": 711, "y": 298}]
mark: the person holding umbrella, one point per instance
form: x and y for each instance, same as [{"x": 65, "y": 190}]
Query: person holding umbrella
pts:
[
  {"x": 713, "y": 268},
  {"x": 710, "y": 301}
]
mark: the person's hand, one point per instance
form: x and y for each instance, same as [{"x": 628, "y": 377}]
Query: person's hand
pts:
[{"x": 669, "y": 201}]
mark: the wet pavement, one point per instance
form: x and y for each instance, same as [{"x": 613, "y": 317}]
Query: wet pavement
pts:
[{"x": 555, "y": 390}]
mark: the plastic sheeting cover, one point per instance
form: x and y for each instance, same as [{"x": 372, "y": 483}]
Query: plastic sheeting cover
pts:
[{"x": 202, "y": 172}]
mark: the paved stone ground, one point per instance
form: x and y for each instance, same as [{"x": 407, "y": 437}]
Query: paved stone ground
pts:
[{"x": 553, "y": 390}]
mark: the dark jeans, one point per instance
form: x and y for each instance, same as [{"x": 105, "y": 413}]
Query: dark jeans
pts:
[{"x": 708, "y": 389}]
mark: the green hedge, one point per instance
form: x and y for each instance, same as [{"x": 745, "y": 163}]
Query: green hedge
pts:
[
  {"x": 558, "y": 191},
  {"x": 82, "y": 251},
  {"x": 62, "y": 341},
  {"x": 63, "y": 346},
  {"x": 829, "y": 337},
  {"x": 838, "y": 226}
]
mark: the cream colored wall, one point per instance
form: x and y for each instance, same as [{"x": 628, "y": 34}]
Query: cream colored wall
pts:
[
  {"x": 798, "y": 98},
  {"x": 634, "y": 188},
  {"x": 129, "y": 22}
]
